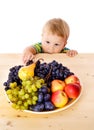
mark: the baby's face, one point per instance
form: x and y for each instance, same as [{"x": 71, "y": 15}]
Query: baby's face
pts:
[{"x": 51, "y": 43}]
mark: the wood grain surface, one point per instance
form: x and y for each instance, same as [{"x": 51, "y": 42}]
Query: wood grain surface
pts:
[{"x": 79, "y": 116}]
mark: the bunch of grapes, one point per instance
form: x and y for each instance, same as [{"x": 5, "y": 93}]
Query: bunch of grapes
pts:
[
  {"x": 44, "y": 100},
  {"x": 51, "y": 71},
  {"x": 25, "y": 95},
  {"x": 13, "y": 77}
]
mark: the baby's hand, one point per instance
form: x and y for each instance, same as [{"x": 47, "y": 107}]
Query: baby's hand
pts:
[
  {"x": 72, "y": 53},
  {"x": 27, "y": 55}
]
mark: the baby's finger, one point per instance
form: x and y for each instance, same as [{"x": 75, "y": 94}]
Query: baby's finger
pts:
[
  {"x": 29, "y": 57},
  {"x": 71, "y": 53}
]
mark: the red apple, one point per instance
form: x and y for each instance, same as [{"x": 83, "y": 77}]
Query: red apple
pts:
[
  {"x": 59, "y": 98},
  {"x": 72, "y": 79},
  {"x": 72, "y": 90},
  {"x": 57, "y": 85}
]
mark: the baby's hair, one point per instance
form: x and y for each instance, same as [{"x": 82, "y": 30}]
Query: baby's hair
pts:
[{"x": 57, "y": 26}]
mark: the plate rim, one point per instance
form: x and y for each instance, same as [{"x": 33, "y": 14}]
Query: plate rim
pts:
[
  {"x": 52, "y": 111},
  {"x": 58, "y": 109}
]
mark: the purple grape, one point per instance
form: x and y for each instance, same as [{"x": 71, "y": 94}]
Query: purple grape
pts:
[
  {"x": 43, "y": 89},
  {"x": 13, "y": 76},
  {"x": 37, "y": 107},
  {"x": 40, "y": 97},
  {"x": 29, "y": 62},
  {"x": 51, "y": 71},
  {"x": 49, "y": 106},
  {"x": 47, "y": 97}
]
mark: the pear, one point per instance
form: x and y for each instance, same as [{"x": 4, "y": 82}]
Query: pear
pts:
[{"x": 26, "y": 72}]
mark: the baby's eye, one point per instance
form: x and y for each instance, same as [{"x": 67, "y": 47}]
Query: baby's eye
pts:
[
  {"x": 56, "y": 44},
  {"x": 47, "y": 42}
]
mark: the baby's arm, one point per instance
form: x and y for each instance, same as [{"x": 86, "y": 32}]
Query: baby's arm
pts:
[{"x": 28, "y": 54}]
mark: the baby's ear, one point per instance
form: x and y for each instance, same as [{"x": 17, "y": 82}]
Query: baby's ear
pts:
[{"x": 65, "y": 43}]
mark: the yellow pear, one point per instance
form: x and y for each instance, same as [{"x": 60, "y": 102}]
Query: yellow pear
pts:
[{"x": 26, "y": 72}]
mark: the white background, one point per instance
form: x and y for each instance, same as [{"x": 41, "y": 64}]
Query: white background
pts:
[{"x": 21, "y": 22}]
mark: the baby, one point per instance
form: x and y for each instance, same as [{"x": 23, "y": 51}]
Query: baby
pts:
[{"x": 55, "y": 34}]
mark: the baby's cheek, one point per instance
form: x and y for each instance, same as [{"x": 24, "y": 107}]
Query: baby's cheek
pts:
[{"x": 45, "y": 48}]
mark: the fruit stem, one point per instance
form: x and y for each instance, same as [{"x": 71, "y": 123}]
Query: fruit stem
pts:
[{"x": 48, "y": 75}]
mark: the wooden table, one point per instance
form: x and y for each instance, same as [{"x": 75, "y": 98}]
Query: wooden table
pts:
[{"x": 79, "y": 116}]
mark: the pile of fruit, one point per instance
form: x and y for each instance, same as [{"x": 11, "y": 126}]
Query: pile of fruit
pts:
[{"x": 42, "y": 86}]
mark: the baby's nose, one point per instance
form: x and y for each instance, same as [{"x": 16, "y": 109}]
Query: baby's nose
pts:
[{"x": 51, "y": 49}]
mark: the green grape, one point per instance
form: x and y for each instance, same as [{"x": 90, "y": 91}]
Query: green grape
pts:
[
  {"x": 17, "y": 106},
  {"x": 15, "y": 92},
  {"x": 14, "y": 99},
  {"x": 18, "y": 88},
  {"x": 13, "y": 85},
  {"x": 33, "y": 93},
  {"x": 21, "y": 92},
  {"x": 28, "y": 82},
  {"x": 29, "y": 89},
  {"x": 34, "y": 98},
  {"x": 19, "y": 102},
  {"x": 23, "y": 107},
  {"x": 26, "y": 96},
  {"x": 34, "y": 88},
  {"x": 23, "y": 83},
  {"x": 42, "y": 81},
  {"x": 14, "y": 105},
  {"x": 26, "y": 104},
  {"x": 38, "y": 84},
  {"x": 10, "y": 97},
  {"x": 9, "y": 91},
  {"x": 22, "y": 97},
  {"x": 34, "y": 102},
  {"x": 29, "y": 101}
]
